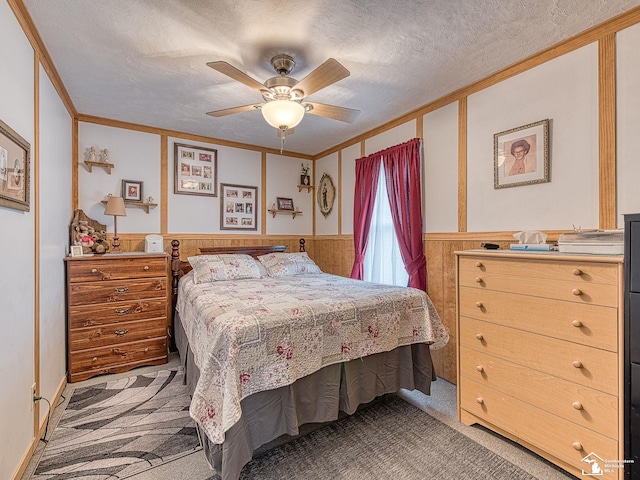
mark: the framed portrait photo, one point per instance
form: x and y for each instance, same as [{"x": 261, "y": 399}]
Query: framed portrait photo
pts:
[
  {"x": 132, "y": 191},
  {"x": 14, "y": 169},
  {"x": 285, "y": 203},
  {"x": 521, "y": 155},
  {"x": 326, "y": 194},
  {"x": 238, "y": 207},
  {"x": 196, "y": 170},
  {"x": 76, "y": 250}
]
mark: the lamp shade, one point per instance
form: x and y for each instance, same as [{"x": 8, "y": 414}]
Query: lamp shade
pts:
[
  {"x": 282, "y": 113},
  {"x": 115, "y": 206}
]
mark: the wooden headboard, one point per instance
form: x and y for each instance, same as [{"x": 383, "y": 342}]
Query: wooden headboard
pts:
[{"x": 180, "y": 267}]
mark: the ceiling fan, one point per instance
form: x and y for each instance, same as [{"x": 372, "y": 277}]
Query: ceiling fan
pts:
[{"x": 284, "y": 97}]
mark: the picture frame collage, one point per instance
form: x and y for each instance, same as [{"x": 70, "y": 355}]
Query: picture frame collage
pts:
[
  {"x": 195, "y": 170},
  {"x": 238, "y": 207},
  {"x": 14, "y": 169}
]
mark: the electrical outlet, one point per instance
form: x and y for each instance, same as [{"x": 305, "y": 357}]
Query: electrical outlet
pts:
[{"x": 32, "y": 396}]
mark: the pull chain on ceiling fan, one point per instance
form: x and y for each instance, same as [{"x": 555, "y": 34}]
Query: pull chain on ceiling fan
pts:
[{"x": 284, "y": 106}]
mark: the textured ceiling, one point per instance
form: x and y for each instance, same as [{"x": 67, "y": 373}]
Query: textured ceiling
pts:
[{"x": 144, "y": 61}]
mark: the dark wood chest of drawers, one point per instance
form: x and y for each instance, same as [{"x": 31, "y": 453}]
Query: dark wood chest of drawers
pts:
[{"x": 116, "y": 313}]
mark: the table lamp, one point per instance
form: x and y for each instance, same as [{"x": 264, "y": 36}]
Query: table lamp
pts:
[{"x": 115, "y": 207}]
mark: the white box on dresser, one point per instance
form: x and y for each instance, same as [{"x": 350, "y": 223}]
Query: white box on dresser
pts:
[{"x": 540, "y": 357}]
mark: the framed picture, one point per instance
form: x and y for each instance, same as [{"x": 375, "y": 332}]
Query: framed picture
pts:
[
  {"x": 326, "y": 194},
  {"x": 14, "y": 169},
  {"x": 132, "y": 191},
  {"x": 76, "y": 250},
  {"x": 284, "y": 203},
  {"x": 521, "y": 155},
  {"x": 196, "y": 170},
  {"x": 238, "y": 207}
]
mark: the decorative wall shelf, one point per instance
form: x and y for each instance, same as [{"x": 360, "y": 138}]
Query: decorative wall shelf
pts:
[
  {"x": 144, "y": 205},
  {"x": 293, "y": 213},
  {"x": 107, "y": 166},
  {"x": 308, "y": 187}
]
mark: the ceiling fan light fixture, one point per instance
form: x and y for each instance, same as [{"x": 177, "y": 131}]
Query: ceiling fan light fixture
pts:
[{"x": 283, "y": 113}]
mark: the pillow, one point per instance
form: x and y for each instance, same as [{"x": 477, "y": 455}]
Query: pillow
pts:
[
  {"x": 213, "y": 268},
  {"x": 283, "y": 264}
]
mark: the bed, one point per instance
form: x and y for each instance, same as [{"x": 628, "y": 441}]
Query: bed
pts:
[{"x": 271, "y": 345}]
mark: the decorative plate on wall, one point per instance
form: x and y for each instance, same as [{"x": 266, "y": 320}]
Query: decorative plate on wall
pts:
[{"x": 326, "y": 194}]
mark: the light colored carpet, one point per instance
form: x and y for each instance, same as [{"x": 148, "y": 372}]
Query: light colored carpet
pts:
[{"x": 441, "y": 405}]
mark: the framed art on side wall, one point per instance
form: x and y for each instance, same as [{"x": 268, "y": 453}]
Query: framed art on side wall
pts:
[
  {"x": 521, "y": 155},
  {"x": 14, "y": 169},
  {"x": 132, "y": 191},
  {"x": 238, "y": 207},
  {"x": 196, "y": 170}
]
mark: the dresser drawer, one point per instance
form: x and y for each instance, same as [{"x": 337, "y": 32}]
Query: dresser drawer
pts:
[
  {"x": 579, "y": 404},
  {"x": 83, "y": 338},
  {"x": 95, "y": 270},
  {"x": 93, "y": 315},
  {"x": 542, "y": 268},
  {"x": 572, "y": 290},
  {"x": 563, "y": 439},
  {"x": 587, "y": 366},
  {"x": 592, "y": 325},
  {"x": 109, "y": 356},
  {"x": 116, "y": 291}
]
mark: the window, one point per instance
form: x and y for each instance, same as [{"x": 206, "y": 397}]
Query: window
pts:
[{"x": 383, "y": 261}]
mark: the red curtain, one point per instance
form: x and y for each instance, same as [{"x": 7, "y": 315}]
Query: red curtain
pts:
[
  {"x": 402, "y": 172},
  {"x": 367, "y": 173}
]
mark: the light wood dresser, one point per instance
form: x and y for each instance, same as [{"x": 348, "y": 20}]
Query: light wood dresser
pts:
[
  {"x": 540, "y": 357},
  {"x": 116, "y": 313}
]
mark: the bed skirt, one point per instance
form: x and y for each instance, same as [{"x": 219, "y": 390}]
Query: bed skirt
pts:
[{"x": 273, "y": 417}]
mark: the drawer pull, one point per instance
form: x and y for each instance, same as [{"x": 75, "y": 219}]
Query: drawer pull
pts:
[
  {"x": 480, "y": 400},
  {"x": 479, "y": 304},
  {"x": 577, "y": 405},
  {"x": 94, "y": 270},
  {"x": 577, "y": 292},
  {"x": 480, "y": 368},
  {"x": 576, "y": 323},
  {"x": 146, "y": 350},
  {"x": 122, "y": 311},
  {"x": 577, "y": 446},
  {"x": 577, "y": 271},
  {"x": 121, "y": 332},
  {"x": 479, "y": 264},
  {"x": 577, "y": 364},
  {"x": 122, "y": 289},
  {"x": 478, "y": 279},
  {"x": 479, "y": 336},
  {"x": 145, "y": 268},
  {"x": 94, "y": 359}
]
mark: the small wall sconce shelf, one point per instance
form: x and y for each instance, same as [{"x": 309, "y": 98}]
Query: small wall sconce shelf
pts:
[
  {"x": 107, "y": 166},
  {"x": 144, "y": 205},
  {"x": 308, "y": 187},
  {"x": 293, "y": 213}
]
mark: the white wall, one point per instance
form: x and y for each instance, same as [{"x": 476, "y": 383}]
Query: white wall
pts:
[
  {"x": 565, "y": 90},
  {"x": 136, "y": 156},
  {"x": 201, "y": 214},
  {"x": 440, "y": 172},
  {"x": 55, "y": 217},
  {"x": 283, "y": 177},
  {"x": 327, "y": 225},
  {"x": 628, "y": 121},
  {"x": 16, "y": 256}
]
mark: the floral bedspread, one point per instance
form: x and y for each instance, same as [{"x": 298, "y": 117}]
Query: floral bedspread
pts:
[{"x": 254, "y": 335}]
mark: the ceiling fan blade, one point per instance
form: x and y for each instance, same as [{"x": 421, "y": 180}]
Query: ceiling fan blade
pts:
[
  {"x": 326, "y": 74},
  {"x": 343, "y": 114},
  {"x": 233, "y": 72},
  {"x": 229, "y": 111}
]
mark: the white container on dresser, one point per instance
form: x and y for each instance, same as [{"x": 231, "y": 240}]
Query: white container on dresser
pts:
[{"x": 540, "y": 357}]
